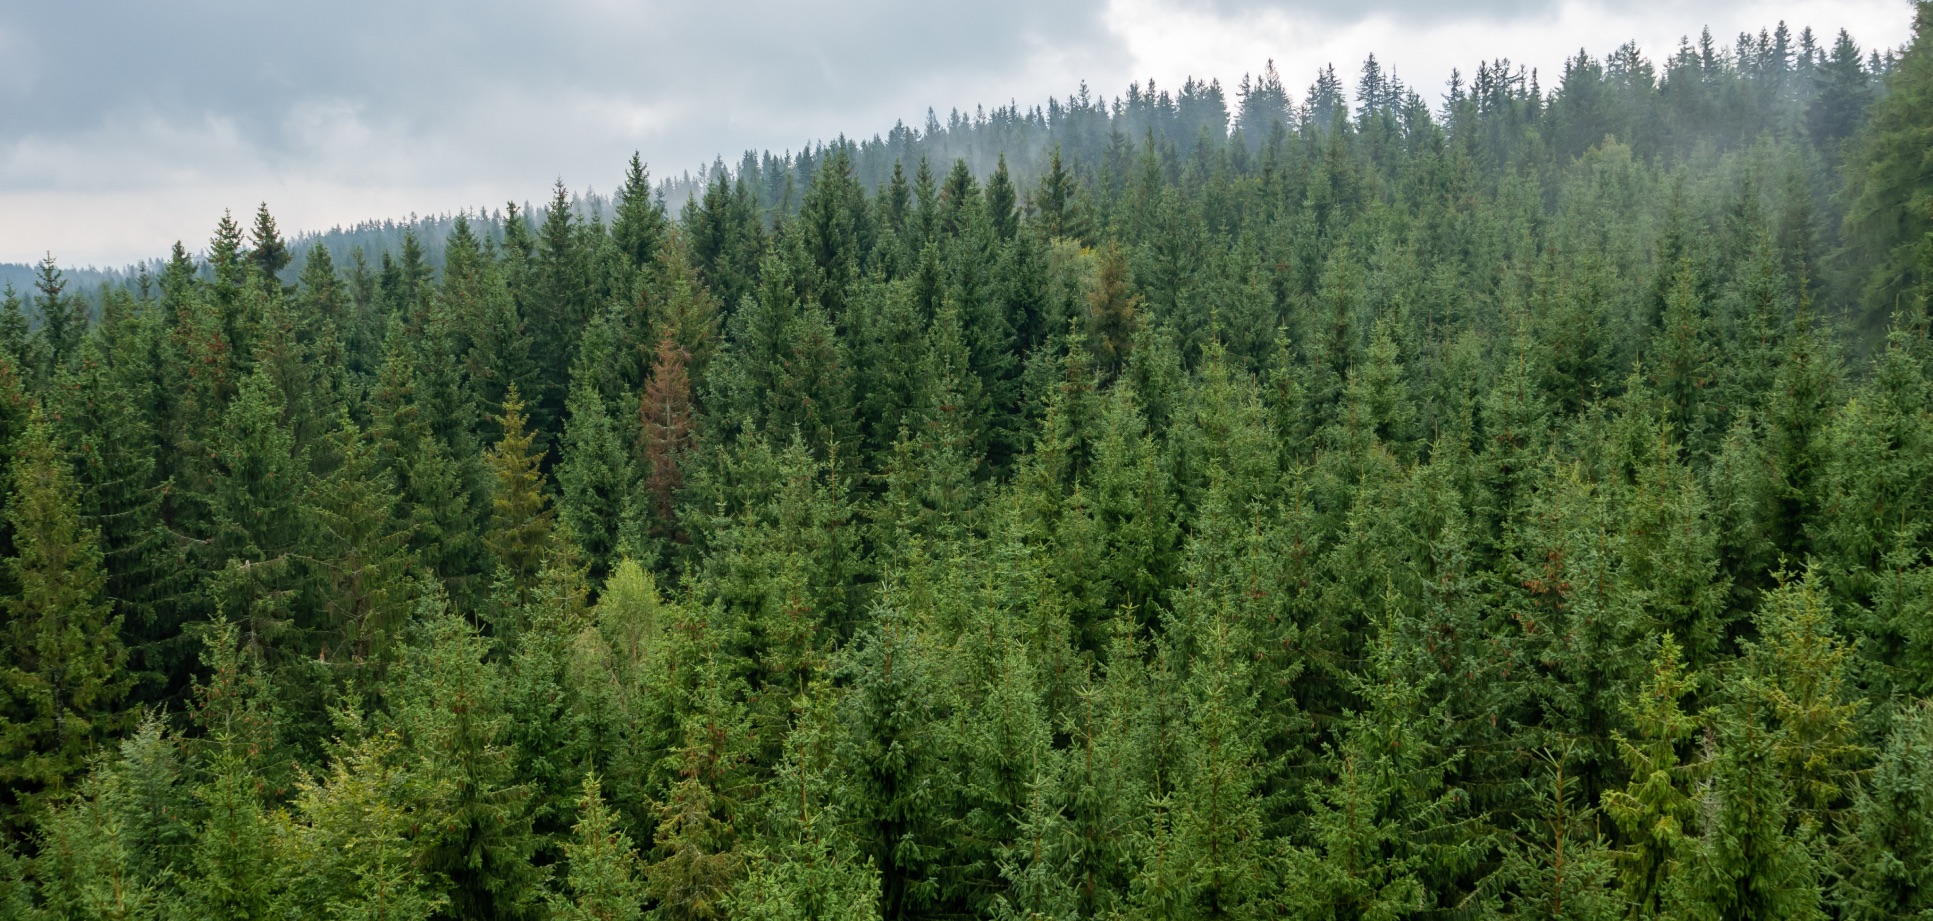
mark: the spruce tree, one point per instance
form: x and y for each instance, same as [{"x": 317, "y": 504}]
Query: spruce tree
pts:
[
  {"x": 451, "y": 713},
  {"x": 1655, "y": 811},
  {"x": 346, "y": 843},
  {"x": 1056, "y": 202},
  {"x": 604, "y": 881},
  {"x": 269, "y": 254},
  {"x": 703, "y": 777},
  {"x": 520, "y": 523},
  {"x": 1560, "y": 868},
  {"x": 726, "y": 237},
  {"x": 807, "y": 867},
  {"x": 15, "y": 332},
  {"x": 1383, "y": 814},
  {"x": 1112, "y": 313},
  {"x": 639, "y": 226},
  {"x": 259, "y": 525},
  {"x": 1751, "y": 858},
  {"x": 596, "y": 482},
  {"x": 1002, "y": 202},
  {"x": 86, "y": 867},
  {"x": 362, "y": 557},
  {"x": 1883, "y": 858},
  {"x": 1217, "y": 808},
  {"x": 665, "y": 434},
  {"x": 889, "y": 752},
  {"x": 63, "y": 317},
  {"x": 1889, "y": 187},
  {"x": 63, "y": 680},
  {"x": 104, "y": 408},
  {"x": 231, "y": 866}
]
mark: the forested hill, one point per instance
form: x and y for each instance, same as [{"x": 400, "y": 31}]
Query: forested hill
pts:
[
  {"x": 1704, "y": 96},
  {"x": 1519, "y": 506}
]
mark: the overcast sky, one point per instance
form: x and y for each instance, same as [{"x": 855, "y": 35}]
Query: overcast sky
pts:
[{"x": 128, "y": 124}]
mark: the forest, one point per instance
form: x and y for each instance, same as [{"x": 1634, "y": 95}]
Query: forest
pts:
[{"x": 1336, "y": 504}]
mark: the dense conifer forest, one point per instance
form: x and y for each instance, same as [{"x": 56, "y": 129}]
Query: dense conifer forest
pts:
[{"x": 1209, "y": 504}]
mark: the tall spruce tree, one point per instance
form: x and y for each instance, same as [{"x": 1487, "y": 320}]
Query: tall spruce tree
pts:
[{"x": 63, "y": 680}]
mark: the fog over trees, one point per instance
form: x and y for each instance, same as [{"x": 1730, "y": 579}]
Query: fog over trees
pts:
[{"x": 1513, "y": 499}]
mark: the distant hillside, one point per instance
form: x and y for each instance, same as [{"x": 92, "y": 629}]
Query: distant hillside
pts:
[{"x": 20, "y": 277}]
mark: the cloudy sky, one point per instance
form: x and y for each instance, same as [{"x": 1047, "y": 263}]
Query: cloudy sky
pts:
[{"x": 128, "y": 124}]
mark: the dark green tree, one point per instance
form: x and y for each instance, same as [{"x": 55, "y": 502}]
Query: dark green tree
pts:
[{"x": 63, "y": 680}]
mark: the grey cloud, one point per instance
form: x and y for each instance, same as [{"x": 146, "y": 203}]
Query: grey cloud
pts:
[
  {"x": 1427, "y": 11},
  {"x": 124, "y": 114},
  {"x": 425, "y": 69}
]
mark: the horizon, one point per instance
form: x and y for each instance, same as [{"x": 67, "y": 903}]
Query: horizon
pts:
[{"x": 115, "y": 176}]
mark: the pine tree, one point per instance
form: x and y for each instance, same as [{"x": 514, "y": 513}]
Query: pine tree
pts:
[{"x": 63, "y": 680}]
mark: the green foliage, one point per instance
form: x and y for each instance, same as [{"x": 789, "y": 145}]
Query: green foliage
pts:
[
  {"x": 347, "y": 839},
  {"x": 362, "y": 554},
  {"x": 1655, "y": 811},
  {"x": 62, "y": 680},
  {"x": 1890, "y": 185},
  {"x": 475, "y": 826},
  {"x": 520, "y": 523},
  {"x": 1381, "y": 510},
  {"x": 596, "y": 481},
  {"x": 1883, "y": 871},
  {"x": 603, "y": 882}
]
